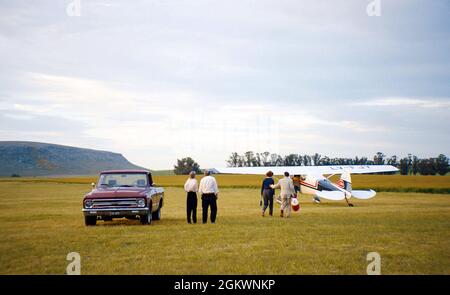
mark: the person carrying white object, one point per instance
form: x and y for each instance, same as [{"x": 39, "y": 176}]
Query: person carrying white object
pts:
[
  {"x": 191, "y": 187},
  {"x": 209, "y": 192},
  {"x": 286, "y": 186}
]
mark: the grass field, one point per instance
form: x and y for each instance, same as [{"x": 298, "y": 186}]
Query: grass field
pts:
[{"x": 41, "y": 221}]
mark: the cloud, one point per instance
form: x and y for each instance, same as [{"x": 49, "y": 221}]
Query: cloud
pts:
[
  {"x": 19, "y": 116},
  {"x": 175, "y": 123},
  {"x": 406, "y": 102}
]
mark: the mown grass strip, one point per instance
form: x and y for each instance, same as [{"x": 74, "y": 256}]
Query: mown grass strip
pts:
[{"x": 379, "y": 183}]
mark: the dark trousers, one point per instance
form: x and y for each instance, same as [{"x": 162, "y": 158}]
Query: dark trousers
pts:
[
  {"x": 268, "y": 200},
  {"x": 209, "y": 200},
  {"x": 191, "y": 206}
]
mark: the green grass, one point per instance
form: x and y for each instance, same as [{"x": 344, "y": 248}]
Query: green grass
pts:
[
  {"x": 163, "y": 172},
  {"x": 40, "y": 222}
]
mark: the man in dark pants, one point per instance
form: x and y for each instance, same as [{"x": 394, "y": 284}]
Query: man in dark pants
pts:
[
  {"x": 209, "y": 200},
  {"x": 191, "y": 187},
  {"x": 209, "y": 191},
  {"x": 267, "y": 193}
]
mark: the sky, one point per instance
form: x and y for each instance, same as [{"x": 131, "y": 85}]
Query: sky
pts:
[{"x": 159, "y": 80}]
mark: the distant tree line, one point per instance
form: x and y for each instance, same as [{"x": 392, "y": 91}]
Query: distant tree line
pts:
[
  {"x": 408, "y": 165},
  {"x": 432, "y": 166}
]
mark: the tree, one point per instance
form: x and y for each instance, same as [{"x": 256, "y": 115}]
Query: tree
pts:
[
  {"x": 316, "y": 159},
  {"x": 378, "y": 159},
  {"x": 415, "y": 165},
  {"x": 265, "y": 159},
  {"x": 442, "y": 164},
  {"x": 279, "y": 161},
  {"x": 290, "y": 160},
  {"x": 324, "y": 161},
  {"x": 392, "y": 161},
  {"x": 426, "y": 167},
  {"x": 233, "y": 160},
  {"x": 241, "y": 161},
  {"x": 273, "y": 159},
  {"x": 410, "y": 159},
  {"x": 185, "y": 166},
  {"x": 249, "y": 159},
  {"x": 258, "y": 160},
  {"x": 404, "y": 166},
  {"x": 306, "y": 160},
  {"x": 363, "y": 161}
]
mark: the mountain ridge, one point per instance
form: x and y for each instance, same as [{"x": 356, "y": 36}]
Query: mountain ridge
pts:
[{"x": 28, "y": 158}]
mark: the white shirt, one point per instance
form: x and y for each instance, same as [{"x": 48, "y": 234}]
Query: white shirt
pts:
[
  {"x": 191, "y": 185},
  {"x": 208, "y": 185},
  {"x": 286, "y": 185}
]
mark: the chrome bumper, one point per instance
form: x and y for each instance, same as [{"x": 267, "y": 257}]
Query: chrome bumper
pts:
[{"x": 114, "y": 211}]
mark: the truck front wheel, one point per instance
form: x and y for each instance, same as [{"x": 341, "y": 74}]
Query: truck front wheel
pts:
[
  {"x": 157, "y": 214},
  {"x": 90, "y": 220},
  {"x": 147, "y": 218}
]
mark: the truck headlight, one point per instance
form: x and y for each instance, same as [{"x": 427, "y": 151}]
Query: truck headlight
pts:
[
  {"x": 88, "y": 204},
  {"x": 141, "y": 203}
]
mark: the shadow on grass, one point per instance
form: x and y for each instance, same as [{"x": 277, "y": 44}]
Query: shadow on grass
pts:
[
  {"x": 136, "y": 222},
  {"x": 243, "y": 218}
]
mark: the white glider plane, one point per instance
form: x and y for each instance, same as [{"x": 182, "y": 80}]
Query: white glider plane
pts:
[{"x": 313, "y": 182}]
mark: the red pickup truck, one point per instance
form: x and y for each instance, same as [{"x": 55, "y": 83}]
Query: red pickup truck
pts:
[{"x": 123, "y": 193}]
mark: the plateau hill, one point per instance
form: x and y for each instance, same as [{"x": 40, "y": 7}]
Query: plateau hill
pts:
[{"x": 25, "y": 158}]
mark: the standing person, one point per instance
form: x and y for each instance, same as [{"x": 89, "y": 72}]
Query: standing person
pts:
[
  {"x": 191, "y": 187},
  {"x": 296, "y": 181},
  {"x": 267, "y": 193},
  {"x": 209, "y": 191},
  {"x": 287, "y": 190}
]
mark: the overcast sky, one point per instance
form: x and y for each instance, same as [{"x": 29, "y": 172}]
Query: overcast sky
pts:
[{"x": 162, "y": 79}]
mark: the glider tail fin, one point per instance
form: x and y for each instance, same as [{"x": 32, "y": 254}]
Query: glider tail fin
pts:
[{"x": 346, "y": 181}]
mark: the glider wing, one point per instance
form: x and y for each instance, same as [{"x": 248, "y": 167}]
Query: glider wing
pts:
[{"x": 311, "y": 170}]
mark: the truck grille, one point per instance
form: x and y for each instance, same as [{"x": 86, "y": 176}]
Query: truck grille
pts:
[{"x": 114, "y": 203}]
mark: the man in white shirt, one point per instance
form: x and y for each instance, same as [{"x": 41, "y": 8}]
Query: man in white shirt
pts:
[
  {"x": 209, "y": 192},
  {"x": 287, "y": 191},
  {"x": 191, "y": 187}
]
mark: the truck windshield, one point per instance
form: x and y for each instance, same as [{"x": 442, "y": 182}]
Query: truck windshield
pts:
[{"x": 123, "y": 180}]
